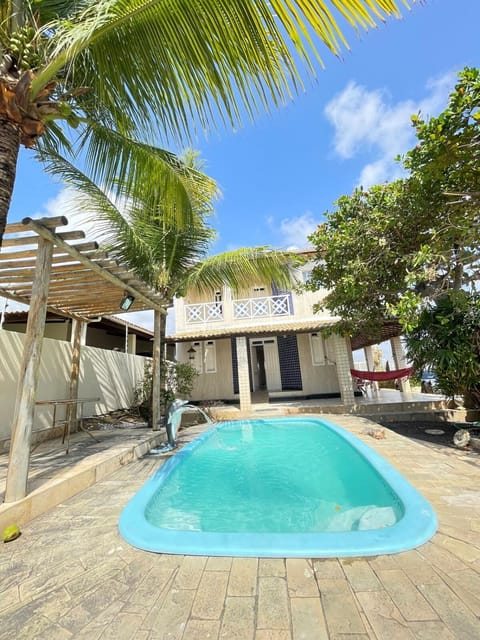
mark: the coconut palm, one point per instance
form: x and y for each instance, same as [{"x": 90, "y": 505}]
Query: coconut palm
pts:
[
  {"x": 172, "y": 259},
  {"x": 131, "y": 69}
]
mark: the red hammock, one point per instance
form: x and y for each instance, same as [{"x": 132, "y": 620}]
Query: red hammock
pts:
[{"x": 377, "y": 376}]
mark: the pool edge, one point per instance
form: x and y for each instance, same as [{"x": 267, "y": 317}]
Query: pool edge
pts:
[{"x": 415, "y": 528}]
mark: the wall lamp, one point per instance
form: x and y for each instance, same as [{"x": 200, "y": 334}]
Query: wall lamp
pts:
[
  {"x": 191, "y": 353},
  {"x": 127, "y": 302}
]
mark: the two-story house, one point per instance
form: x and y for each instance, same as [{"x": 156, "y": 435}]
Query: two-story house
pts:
[{"x": 266, "y": 344}]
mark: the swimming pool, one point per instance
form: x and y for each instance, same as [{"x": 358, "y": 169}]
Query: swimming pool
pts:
[{"x": 282, "y": 487}]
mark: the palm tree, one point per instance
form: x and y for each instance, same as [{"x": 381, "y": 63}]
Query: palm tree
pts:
[
  {"x": 91, "y": 76},
  {"x": 172, "y": 258}
]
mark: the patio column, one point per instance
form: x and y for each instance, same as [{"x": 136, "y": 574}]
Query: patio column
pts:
[
  {"x": 243, "y": 375},
  {"x": 368, "y": 351},
  {"x": 83, "y": 331},
  {"x": 22, "y": 426},
  {"x": 343, "y": 360},
  {"x": 400, "y": 363}
]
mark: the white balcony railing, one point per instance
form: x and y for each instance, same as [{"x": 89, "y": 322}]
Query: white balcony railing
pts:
[
  {"x": 269, "y": 307},
  {"x": 247, "y": 309},
  {"x": 204, "y": 312}
]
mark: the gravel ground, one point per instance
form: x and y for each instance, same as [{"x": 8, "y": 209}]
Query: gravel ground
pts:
[{"x": 418, "y": 430}]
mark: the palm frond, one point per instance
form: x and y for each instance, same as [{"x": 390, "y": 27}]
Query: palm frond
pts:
[
  {"x": 177, "y": 64},
  {"x": 239, "y": 269},
  {"x": 156, "y": 177},
  {"x": 114, "y": 226},
  {"x": 49, "y": 10}
]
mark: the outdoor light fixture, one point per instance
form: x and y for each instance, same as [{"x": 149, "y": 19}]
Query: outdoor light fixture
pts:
[
  {"x": 126, "y": 302},
  {"x": 191, "y": 353}
]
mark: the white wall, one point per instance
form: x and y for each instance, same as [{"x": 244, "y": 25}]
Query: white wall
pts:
[
  {"x": 316, "y": 378},
  {"x": 212, "y": 386},
  {"x": 109, "y": 375}
]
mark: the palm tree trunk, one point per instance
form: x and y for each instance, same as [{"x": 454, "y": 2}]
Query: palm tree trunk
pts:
[
  {"x": 9, "y": 147},
  {"x": 163, "y": 364}
]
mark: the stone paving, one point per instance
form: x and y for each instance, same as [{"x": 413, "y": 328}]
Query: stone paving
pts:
[{"x": 70, "y": 574}]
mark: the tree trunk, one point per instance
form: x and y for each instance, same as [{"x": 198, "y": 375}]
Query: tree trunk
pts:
[
  {"x": 163, "y": 364},
  {"x": 156, "y": 365},
  {"x": 458, "y": 270},
  {"x": 9, "y": 146}
]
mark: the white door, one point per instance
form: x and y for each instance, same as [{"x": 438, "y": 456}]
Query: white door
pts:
[{"x": 270, "y": 364}]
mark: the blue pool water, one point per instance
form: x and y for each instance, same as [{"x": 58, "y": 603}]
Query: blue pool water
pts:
[{"x": 295, "y": 487}]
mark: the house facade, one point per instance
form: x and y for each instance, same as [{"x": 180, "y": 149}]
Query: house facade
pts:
[{"x": 264, "y": 343}]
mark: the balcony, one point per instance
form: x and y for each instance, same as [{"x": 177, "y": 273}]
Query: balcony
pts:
[
  {"x": 203, "y": 312},
  {"x": 237, "y": 310}
]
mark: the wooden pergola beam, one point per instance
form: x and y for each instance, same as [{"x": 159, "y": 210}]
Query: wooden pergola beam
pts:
[
  {"x": 48, "y": 235},
  {"x": 30, "y": 240},
  {"x": 11, "y": 257}
]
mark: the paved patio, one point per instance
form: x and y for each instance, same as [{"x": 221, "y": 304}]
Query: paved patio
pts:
[{"x": 70, "y": 575}]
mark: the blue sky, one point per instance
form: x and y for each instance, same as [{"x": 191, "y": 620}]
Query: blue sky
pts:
[{"x": 281, "y": 173}]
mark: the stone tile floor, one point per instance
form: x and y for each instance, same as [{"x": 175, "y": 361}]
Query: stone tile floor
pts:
[{"x": 70, "y": 575}]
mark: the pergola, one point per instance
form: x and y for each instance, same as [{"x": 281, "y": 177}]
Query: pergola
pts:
[{"x": 46, "y": 270}]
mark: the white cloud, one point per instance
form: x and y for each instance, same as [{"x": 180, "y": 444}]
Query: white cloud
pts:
[
  {"x": 368, "y": 122},
  {"x": 75, "y": 207},
  {"x": 295, "y": 230},
  {"x": 140, "y": 318}
]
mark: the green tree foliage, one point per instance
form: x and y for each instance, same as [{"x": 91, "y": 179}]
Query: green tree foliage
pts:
[
  {"x": 179, "y": 380},
  {"x": 364, "y": 251},
  {"x": 384, "y": 251},
  {"x": 410, "y": 249},
  {"x": 446, "y": 340}
]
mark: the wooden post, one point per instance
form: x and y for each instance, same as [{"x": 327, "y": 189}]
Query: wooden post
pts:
[
  {"x": 19, "y": 458},
  {"x": 156, "y": 370},
  {"x": 74, "y": 374}
]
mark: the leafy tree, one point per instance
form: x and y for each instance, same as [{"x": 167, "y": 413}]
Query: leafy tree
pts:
[
  {"x": 364, "y": 250},
  {"x": 120, "y": 71},
  {"x": 446, "y": 340},
  {"x": 384, "y": 251},
  {"x": 410, "y": 249}
]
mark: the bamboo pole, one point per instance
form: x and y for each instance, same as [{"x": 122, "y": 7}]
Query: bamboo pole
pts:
[{"x": 19, "y": 458}]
